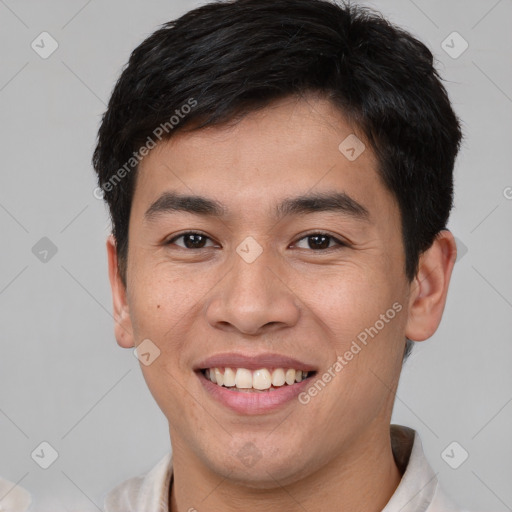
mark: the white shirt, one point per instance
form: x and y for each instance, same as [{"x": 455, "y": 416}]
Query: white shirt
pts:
[
  {"x": 419, "y": 489},
  {"x": 13, "y": 498}
]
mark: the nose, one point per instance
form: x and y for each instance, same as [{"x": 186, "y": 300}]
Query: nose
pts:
[{"x": 253, "y": 298}]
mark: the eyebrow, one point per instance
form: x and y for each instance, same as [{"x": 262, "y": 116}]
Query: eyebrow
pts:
[{"x": 339, "y": 202}]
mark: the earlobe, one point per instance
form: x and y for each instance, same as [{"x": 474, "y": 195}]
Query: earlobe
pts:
[
  {"x": 123, "y": 327},
  {"x": 429, "y": 288}
]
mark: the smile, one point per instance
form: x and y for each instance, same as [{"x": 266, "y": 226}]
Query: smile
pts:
[
  {"x": 243, "y": 397},
  {"x": 262, "y": 379}
]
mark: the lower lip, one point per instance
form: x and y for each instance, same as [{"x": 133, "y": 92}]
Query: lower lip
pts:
[{"x": 253, "y": 402}]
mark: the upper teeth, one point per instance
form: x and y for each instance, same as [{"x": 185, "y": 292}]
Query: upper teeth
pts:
[{"x": 242, "y": 378}]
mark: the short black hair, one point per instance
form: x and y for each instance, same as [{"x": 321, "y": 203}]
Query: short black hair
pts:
[{"x": 226, "y": 59}]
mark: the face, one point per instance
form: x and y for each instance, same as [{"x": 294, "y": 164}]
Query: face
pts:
[{"x": 258, "y": 275}]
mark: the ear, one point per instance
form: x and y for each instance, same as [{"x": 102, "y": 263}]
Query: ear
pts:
[
  {"x": 123, "y": 324},
  {"x": 429, "y": 288}
]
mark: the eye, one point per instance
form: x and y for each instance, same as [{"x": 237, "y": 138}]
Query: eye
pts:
[
  {"x": 317, "y": 241},
  {"x": 191, "y": 239},
  {"x": 320, "y": 241}
]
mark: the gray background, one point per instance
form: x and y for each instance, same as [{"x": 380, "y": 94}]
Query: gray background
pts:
[{"x": 64, "y": 380}]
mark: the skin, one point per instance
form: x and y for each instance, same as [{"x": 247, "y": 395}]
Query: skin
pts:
[{"x": 333, "y": 453}]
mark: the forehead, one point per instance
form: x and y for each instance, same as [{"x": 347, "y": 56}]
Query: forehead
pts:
[{"x": 290, "y": 147}]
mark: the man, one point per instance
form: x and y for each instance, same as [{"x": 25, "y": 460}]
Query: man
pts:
[{"x": 279, "y": 177}]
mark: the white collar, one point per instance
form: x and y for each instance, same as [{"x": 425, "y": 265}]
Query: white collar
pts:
[
  {"x": 418, "y": 491},
  {"x": 13, "y": 498}
]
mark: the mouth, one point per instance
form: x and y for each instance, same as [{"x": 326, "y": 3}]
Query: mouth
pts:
[
  {"x": 254, "y": 392},
  {"x": 261, "y": 380},
  {"x": 250, "y": 384}
]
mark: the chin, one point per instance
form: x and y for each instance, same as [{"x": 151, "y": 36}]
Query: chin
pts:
[{"x": 268, "y": 468}]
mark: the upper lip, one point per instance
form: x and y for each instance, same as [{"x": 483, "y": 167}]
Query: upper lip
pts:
[{"x": 253, "y": 362}]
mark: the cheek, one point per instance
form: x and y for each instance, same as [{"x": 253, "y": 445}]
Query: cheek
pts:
[
  {"x": 165, "y": 303},
  {"x": 363, "y": 317},
  {"x": 350, "y": 300},
  {"x": 161, "y": 311},
  {"x": 158, "y": 298}
]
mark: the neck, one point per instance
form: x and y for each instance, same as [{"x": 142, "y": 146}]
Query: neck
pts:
[{"x": 361, "y": 478}]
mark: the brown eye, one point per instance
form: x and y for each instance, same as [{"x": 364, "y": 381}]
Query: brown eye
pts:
[
  {"x": 191, "y": 240},
  {"x": 321, "y": 241}
]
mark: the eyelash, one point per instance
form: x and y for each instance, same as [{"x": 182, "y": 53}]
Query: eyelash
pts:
[{"x": 340, "y": 243}]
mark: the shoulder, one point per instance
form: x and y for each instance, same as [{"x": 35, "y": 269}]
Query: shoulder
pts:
[
  {"x": 419, "y": 488},
  {"x": 442, "y": 503},
  {"x": 146, "y": 492},
  {"x": 13, "y": 497}
]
